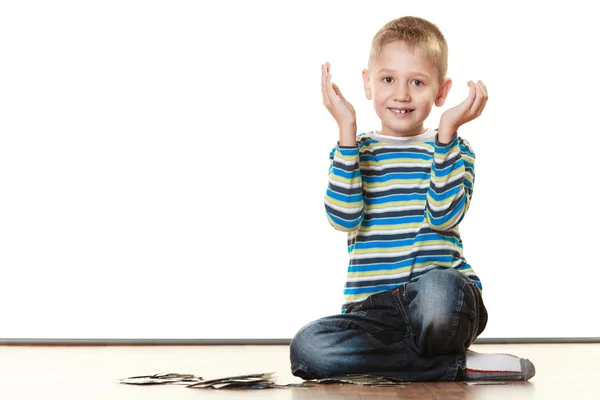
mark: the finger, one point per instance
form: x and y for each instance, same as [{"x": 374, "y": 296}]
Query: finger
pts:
[
  {"x": 485, "y": 91},
  {"x": 323, "y": 78},
  {"x": 337, "y": 91},
  {"x": 329, "y": 87},
  {"x": 479, "y": 98},
  {"x": 468, "y": 103},
  {"x": 485, "y": 96},
  {"x": 479, "y": 103}
]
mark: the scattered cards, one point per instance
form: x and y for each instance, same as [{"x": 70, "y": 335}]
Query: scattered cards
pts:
[
  {"x": 259, "y": 381},
  {"x": 253, "y": 381},
  {"x": 160, "y": 379},
  {"x": 366, "y": 380}
]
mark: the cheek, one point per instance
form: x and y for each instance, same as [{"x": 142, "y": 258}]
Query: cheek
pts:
[{"x": 426, "y": 101}]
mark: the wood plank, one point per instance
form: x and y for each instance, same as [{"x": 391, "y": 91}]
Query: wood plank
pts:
[{"x": 90, "y": 372}]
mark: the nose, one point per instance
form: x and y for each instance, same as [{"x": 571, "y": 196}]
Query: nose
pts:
[{"x": 401, "y": 93}]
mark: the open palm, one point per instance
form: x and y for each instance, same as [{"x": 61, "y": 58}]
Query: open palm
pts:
[
  {"x": 340, "y": 108},
  {"x": 468, "y": 110}
]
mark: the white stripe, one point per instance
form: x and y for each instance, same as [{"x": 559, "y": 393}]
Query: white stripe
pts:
[
  {"x": 429, "y": 148},
  {"x": 404, "y": 253},
  {"x": 390, "y": 276},
  {"x": 448, "y": 180},
  {"x": 345, "y": 162},
  {"x": 447, "y": 205},
  {"x": 402, "y": 274},
  {"x": 444, "y": 157},
  {"x": 392, "y": 232},
  {"x": 346, "y": 210},
  {"x": 397, "y": 186},
  {"x": 453, "y": 220},
  {"x": 396, "y": 208},
  {"x": 419, "y": 163},
  {"x": 344, "y": 184}
]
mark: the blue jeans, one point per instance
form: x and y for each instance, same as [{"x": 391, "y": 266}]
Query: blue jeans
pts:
[{"x": 418, "y": 331}]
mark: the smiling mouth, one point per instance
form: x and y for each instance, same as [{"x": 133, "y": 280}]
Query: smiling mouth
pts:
[{"x": 401, "y": 111}]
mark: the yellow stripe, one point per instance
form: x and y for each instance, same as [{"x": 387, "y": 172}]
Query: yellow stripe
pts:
[
  {"x": 468, "y": 158},
  {"x": 390, "y": 227},
  {"x": 445, "y": 178},
  {"x": 338, "y": 226},
  {"x": 355, "y": 179},
  {"x": 441, "y": 202},
  {"x": 402, "y": 248},
  {"x": 344, "y": 204},
  {"x": 346, "y": 158},
  {"x": 447, "y": 223}
]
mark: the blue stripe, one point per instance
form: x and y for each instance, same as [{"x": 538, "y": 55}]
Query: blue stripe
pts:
[
  {"x": 402, "y": 264},
  {"x": 442, "y": 172},
  {"x": 344, "y": 223},
  {"x": 345, "y": 174},
  {"x": 393, "y": 221},
  {"x": 369, "y": 290},
  {"x": 397, "y": 197},
  {"x": 396, "y": 176},
  {"x": 445, "y": 195},
  {"x": 348, "y": 152},
  {"x": 442, "y": 220},
  {"x": 391, "y": 156},
  {"x": 399, "y": 243},
  {"x": 343, "y": 197}
]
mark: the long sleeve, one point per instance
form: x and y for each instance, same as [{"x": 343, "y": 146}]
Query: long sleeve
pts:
[
  {"x": 344, "y": 203},
  {"x": 451, "y": 186}
]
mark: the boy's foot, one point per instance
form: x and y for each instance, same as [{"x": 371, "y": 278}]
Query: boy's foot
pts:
[{"x": 482, "y": 367}]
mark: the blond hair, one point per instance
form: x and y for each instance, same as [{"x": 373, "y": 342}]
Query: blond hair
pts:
[{"x": 416, "y": 32}]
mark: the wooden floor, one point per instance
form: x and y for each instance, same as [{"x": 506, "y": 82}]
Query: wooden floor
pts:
[{"x": 564, "y": 371}]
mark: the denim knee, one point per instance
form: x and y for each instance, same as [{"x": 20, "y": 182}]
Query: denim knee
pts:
[
  {"x": 438, "y": 314},
  {"x": 299, "y": 347},
  {"x": 307, "y": 352}
]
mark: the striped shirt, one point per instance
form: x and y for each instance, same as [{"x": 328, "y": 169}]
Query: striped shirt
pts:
[{"x": 400, "y": 200}]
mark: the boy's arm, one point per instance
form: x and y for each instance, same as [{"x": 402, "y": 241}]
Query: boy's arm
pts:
[
  {"x": 453, "y": 167},
  {"x": 344, "y": 202},
  {"x": 451, "y": 185}
]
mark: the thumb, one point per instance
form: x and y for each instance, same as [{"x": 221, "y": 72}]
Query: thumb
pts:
[{"x": 337, "y": 91}]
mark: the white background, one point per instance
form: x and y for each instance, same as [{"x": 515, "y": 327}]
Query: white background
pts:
[{"x": 163, "y": 163}]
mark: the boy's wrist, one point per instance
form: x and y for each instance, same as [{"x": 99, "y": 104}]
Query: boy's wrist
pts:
[
  {"x": 348, "y": 135},
  {"x": 446, "y": 133}
]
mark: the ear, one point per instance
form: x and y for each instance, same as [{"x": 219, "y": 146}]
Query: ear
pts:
[
  {"x": 367, "y": 84},
  {"x": 443, "y": 92}
]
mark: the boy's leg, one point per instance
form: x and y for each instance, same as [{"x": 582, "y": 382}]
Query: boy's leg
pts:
[
  {"x": 446, "y": 312},
  {"x": 436, "y": 335},
  {"x": 418, "y": 332}
]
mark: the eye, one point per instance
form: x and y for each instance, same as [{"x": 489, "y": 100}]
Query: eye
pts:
[
  {"x": 418, "y": 82},
  {"x": 386, "y": 79}
]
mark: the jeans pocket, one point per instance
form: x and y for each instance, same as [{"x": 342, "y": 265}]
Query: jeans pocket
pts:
[
  {"x": 360, "y": 306},
  {"x": 365, "y": 320}
]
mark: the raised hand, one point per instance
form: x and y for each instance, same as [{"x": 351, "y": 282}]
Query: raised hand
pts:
[
  {"x": 466, "y": 111},
  {"x": 341, "y": 110}
]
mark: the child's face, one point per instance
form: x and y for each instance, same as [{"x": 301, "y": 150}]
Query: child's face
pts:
[{"x": 402, "y": 77}]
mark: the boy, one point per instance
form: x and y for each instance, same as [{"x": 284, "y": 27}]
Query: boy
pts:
[{"x": 412, "y": 304}]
